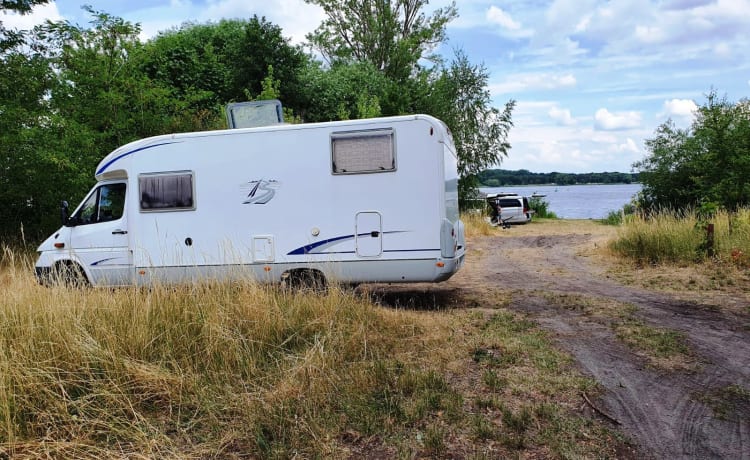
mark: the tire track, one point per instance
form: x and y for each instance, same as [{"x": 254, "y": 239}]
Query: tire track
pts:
[{"x": 669, "y": 414}]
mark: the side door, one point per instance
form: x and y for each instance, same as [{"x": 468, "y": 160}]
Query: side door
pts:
[
  {"x": 99, "y": 236},
  {"x": 369, "y": 234}
]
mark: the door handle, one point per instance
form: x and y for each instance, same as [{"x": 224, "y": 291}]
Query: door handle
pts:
[{"x": 119, "y": 232}]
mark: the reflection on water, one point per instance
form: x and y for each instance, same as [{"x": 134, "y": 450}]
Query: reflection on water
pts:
[{"x": 578, "y": 201}]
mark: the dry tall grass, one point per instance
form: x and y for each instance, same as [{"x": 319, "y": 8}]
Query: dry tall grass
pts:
[
  {"x": 191, "y": 371},
  {"x": 682, "y": 238},
  {"x": 222, "y": 370},
  {"x": 475, "y": 224}
]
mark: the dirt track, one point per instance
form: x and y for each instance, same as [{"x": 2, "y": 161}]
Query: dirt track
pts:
[{"x": 702, "y": 411}]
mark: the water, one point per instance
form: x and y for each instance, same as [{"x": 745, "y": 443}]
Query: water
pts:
[{"x": 577, "y": 201}]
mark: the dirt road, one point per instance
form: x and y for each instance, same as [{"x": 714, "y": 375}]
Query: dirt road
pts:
[{"x": 697, "y": 408}]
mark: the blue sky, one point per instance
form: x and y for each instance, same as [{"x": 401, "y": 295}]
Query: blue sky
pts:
[{"x": 592, "y": 78}]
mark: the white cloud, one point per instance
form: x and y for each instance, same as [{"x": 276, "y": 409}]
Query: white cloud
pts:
[
  {"x": 646, "y": 34},
  {"x": 682, "y": 108},
  {"x": 561, "y": 116},
  {"x": 526, "y": 82},
  {"x": 37, "y": 16},
  {"x": 510, "y": 26},
  {"x": 583, "y": 24},
  {"x": 498, "y": 16},
  {"x": 295, "y": 17},
  {"x": 628, "y": 147},
  {"x": 608, "y": 121}
]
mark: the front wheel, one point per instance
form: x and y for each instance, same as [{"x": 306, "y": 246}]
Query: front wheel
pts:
[{"x": 68, "y": 274}]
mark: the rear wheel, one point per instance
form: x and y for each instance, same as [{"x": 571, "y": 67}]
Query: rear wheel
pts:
[{"x": 305, "y": 279}]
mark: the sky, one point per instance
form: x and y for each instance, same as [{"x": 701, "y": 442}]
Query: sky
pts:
[{"x": 592, "y": 79}]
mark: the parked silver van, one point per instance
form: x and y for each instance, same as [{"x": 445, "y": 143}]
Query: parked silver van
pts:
[{"x": 509, "y": 208}]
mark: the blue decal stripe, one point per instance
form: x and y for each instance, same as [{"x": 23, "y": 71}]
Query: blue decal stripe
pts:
[
  {"x": 103, "y": 260},
  {"x": 317, "y": 247},
  {"x": 310, "y": 247},
  {"x": 109, "y": 163}
]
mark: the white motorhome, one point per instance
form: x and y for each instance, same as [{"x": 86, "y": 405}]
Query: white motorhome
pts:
[{"x": 371, "y": 200}]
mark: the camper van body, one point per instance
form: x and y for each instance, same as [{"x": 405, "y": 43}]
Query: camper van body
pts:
[{"x": 355, "y": 201}]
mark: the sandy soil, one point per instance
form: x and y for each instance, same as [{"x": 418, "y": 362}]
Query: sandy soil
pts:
[{"x": 697, "y": 411}]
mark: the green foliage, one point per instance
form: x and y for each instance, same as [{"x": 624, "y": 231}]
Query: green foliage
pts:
[
  {"x": 73, "y": 95},
  {"x": 391, "y": 35},
  {"x": 618, "y": 217},
  {"x": 680, "y": 237},
  {"x": 504, "y": 177},
  {"x": 12, "y": 38},
  {"x": 459, "y": 96},
  {"x": 540, "y": 207},
  {"x": 70, "y": 94},
  {"x": 344, "y": 92},
  {"x": 707, "y": 163},
  {"x": 215, "y": 63}
]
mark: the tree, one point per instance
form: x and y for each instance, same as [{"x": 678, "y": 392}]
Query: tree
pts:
[
  {"x": 709, "y": 163},
  {"x": 70, "y": 95},
  {"x": 12, "y": 38},
  {"x": 209, "y": 65},
  {"x": 392, "y": 35},
  {"x": 459, "y": 97}
]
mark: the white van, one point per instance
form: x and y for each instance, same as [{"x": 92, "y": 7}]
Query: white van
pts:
[
  {"x": 371, "y": 200},
  {"x": 509, "y": 208}
]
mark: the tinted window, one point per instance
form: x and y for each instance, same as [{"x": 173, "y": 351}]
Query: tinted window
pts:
[
  {"x": 105, "y": 204},
  {"x": 165, "y": 192},
  {"x": 510, "y": 203}
]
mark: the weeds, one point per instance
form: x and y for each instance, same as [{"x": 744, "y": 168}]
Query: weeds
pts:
[
  {"x": 670, "y": 237},
  {"x": 241, "y": 369}
]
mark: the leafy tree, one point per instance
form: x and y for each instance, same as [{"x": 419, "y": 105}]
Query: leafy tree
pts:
[
  {"x": 344, "y": 91},
  {"x": 460, "y": 98},
  {"x": 211, "y": 64},
  {"x": 707, "y": 164},
  {"x": 390, "y": 38},
  {"x": 73, "y": 95},
  {"x": 392, "y": 35},
  {"x": 11, "y": 38}
]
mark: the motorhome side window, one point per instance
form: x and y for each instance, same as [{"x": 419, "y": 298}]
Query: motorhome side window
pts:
[
  {"x": 105, "y": 204},
  {"x": 166, "y": 191},
  {"x": 360, "y": 152}
]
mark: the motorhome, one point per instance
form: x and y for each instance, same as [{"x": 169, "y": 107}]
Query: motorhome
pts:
[{"x": 372, "y": 200}]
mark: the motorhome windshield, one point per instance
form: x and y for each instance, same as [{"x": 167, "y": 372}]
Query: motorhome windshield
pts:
[{"x": 105, "y": 204}]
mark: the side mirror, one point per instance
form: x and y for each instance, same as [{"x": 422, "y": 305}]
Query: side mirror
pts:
[{"x": 64, "y": 212}]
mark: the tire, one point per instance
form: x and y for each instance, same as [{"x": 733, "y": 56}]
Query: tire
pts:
[
  {"x": 305, "y": 279},
  {"x": 69, "y": 274}
]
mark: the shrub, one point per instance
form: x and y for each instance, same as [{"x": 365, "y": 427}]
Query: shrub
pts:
[
  {"x": 679, "y": 237},
  {"x": 541, "y": 208}
]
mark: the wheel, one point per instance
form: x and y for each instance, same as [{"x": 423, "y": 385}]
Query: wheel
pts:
[
  {"x": 68, "y": 274},
  {"x": 305, "y": 279}
]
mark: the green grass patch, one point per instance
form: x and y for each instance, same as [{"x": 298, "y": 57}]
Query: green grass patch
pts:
[{"x": 665, "y": 348}]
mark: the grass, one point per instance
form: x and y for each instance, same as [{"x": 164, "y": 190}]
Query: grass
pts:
[
  {"x": 727, "y": 402},
  {"x": 670, "y": 237},
  {"x": 241, "y": 369},
  {"x": 664, "y": 348}
]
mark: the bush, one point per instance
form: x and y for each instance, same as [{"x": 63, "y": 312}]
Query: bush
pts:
[
  {"x": 679, "y": 237},
  {"x": 541, "y": 208},
  {"x": 617, "y": 217}
]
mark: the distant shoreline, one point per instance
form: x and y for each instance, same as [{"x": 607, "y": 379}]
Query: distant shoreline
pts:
[
  {"x": 552, "y": 184},
  {"x": 506, "y": 178}
]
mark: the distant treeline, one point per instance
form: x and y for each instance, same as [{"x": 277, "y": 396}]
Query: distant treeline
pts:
[{"x": 503, "y": 177}]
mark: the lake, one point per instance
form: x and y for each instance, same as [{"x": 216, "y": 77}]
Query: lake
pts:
[{"x": 577, "y": 201}]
